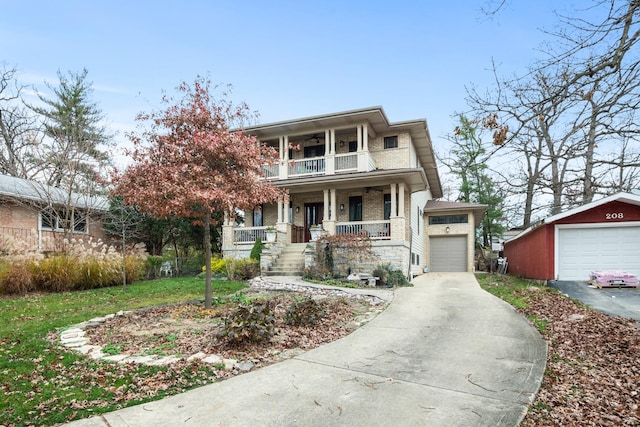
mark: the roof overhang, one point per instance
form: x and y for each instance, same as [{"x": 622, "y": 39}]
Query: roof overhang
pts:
[
  {"x": 414, "y": 179},
  {"x": 632, "y": 199},
  {"x": 377, "y": 123}
]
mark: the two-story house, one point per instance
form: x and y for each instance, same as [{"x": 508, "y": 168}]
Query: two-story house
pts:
[{"x": 351, "y": 172}]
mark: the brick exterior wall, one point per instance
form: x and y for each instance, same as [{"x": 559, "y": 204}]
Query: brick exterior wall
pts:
[
  {"x": 20, "y": 223},
  {"x": 391, "y": 158}
]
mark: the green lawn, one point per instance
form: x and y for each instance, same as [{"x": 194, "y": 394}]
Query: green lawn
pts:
[{"x": 43, "y": 384}]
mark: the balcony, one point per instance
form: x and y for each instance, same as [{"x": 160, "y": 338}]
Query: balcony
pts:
[{"x": 318, "y": 166}]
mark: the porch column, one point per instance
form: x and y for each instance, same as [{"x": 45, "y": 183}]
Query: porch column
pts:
[
  {"x": 365, "y": 137},
  {"x": 330, "y": 152},
  {"x": 394, "y": 205},
  {"x": 286, "y": 148},
  {"x": 359, "y": 132},
  {"x": 286, "y": 209},
  {"x": 279, "y": 209},
  {"x": 326, "y": 204},
  {"x": 334, "y": 214},
  {"x": 280, "y": 149},
  {"x": 401, "y": 199},
  {"x": 329, "y": 224}
]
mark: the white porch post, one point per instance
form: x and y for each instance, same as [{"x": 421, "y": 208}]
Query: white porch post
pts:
[
  {"x": 279, "y": 209},
  {"x": 326, "y": 204},
  {"x": 365, "y": 137},
  {"x": 334, "y": 213},
  {"x": 330, "y": 154},
  {"x": 359, "y": 132},
  {"x": 286, "y": 209},
  {"x": 394, "y": 205},
  {"x": 401, "y": 199},
  {"x": 284, "y": 156}
]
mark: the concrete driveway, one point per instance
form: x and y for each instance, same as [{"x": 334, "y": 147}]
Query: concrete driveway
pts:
[
  {"x": 624, "y": 302},
  {"x": 444, "y": 353}
]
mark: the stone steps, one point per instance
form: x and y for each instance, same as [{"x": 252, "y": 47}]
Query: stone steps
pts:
[{"x": 290, "y": 262}]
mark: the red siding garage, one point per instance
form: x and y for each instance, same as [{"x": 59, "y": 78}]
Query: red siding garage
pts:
[{"x": 602, "y": 235}]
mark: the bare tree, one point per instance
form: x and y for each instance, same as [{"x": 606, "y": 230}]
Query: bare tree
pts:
[
  {"x": 572, "y": 116},
  {"x": 19, "y": 131}
]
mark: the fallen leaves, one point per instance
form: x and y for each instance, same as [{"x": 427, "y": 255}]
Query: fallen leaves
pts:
[{"x": 592, "y": 376}]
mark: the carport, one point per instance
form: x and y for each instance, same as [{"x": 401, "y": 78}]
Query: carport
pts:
[{"x": 601, "y": 235}]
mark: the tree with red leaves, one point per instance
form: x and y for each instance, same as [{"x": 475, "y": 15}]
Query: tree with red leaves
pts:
[{"x": 195, "y": 160}]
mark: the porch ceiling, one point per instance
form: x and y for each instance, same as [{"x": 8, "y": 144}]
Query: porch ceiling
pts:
[{"x": 415, "y": 179}]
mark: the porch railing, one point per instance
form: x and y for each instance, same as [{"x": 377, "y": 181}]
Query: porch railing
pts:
[
  {"x": 312, "y": 166},
  {"x": 271, "y": 171},
  {"x": 249, "y": 234},
  {"x": 376, "y": 230},
  {"x": 346, "y": 162}
]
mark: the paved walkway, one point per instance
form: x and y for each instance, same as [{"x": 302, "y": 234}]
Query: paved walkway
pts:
[{"x": 445, "y": 353}]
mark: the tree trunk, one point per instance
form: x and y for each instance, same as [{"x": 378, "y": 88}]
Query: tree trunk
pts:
[
  {"x": 207, "y": 258},
  {"x": 124, "y": 260}
]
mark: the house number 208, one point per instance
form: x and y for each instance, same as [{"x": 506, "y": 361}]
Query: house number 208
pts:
[{"x": 617, "y": 215}]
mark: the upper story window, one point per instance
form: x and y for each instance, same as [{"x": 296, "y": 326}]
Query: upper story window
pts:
[
  {"x": 62, "y": 219},
  {"x": 390, "y": 142},
  {"x": 448, "y": 219},
  {"x": 353, "y": 146}
]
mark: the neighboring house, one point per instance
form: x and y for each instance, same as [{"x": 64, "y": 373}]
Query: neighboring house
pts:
[
  {"x": 37, "y": 217},
  {"x": 354, "y": 172},
  {"x": 601, "y": 235}
]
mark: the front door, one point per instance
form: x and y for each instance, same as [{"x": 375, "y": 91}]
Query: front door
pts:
[{"x": 313, "y": 215}]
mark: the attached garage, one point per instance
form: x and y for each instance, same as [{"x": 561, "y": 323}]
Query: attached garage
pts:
[
  {"x": 601, "y": 235},
  {"x": 450, "y": 235},
  {"x": 448, "y": 253}
]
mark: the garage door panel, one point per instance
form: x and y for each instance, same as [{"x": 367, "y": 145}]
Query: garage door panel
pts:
[
  {"x": 582, "y": 250},
  {"x": 448, "y": 253}
]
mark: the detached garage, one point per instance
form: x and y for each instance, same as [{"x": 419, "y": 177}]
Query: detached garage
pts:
[{"x": 601, "y": 235}]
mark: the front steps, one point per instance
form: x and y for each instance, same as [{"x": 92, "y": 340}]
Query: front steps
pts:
[{"x": 290, "y": 262}]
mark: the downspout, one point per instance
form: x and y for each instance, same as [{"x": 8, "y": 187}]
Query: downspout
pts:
[{"x": 410, "y": 249}]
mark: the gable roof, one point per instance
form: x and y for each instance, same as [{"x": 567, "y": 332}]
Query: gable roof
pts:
[
  {"x": 33, "y": 191},
  {"x": 377, "y": 122},
  {"x": 633, "y": 199},
  {"x": 444, "y": 206}
]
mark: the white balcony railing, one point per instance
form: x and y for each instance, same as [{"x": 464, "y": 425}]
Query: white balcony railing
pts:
[
  {"x": 271, "y": 171},
  {"x": 346, "y": 162},
  {"x": 312, "y": 166},
  {"x": 376, "y": 230}
]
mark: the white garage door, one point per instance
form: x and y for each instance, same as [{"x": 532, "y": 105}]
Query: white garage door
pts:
[
  {"x": 448, "y": 253},
  {"x": 583, "y": 250}
]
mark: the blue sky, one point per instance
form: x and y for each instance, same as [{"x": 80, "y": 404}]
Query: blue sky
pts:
[{"x": 286, "y": 59}]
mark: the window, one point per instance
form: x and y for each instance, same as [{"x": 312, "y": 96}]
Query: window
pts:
[
  {"x": 353, "y": 146},
  {"x": 390, "y": 142},
  {"x": 387, "y": 206},
  {"x": 355, "y": 208},
  {"x": 61, "y": 219},
  {"x": 314, "y": 151},
  {"x": 448, "y": 219}
]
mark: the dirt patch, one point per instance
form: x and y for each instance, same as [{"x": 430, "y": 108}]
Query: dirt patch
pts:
[{"x": 186, "y": 329}]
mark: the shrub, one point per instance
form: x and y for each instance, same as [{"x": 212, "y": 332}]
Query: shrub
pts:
[
  {"x": 218, "y": 265},
  {"x": 16, "y": 279},
  {"x": 304, "y": 312},
  {"x": 251, "y": 322},
  {"x": 153, "y": 266},
  {"x": 383, "y": 275},
  {"x": 242, "y": 269},
  {"x": 256, "y": 251},
  {"x": 392, "y": 277}
]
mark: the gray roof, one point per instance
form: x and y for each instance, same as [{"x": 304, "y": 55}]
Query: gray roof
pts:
[{"x": 32, "y": 191}]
